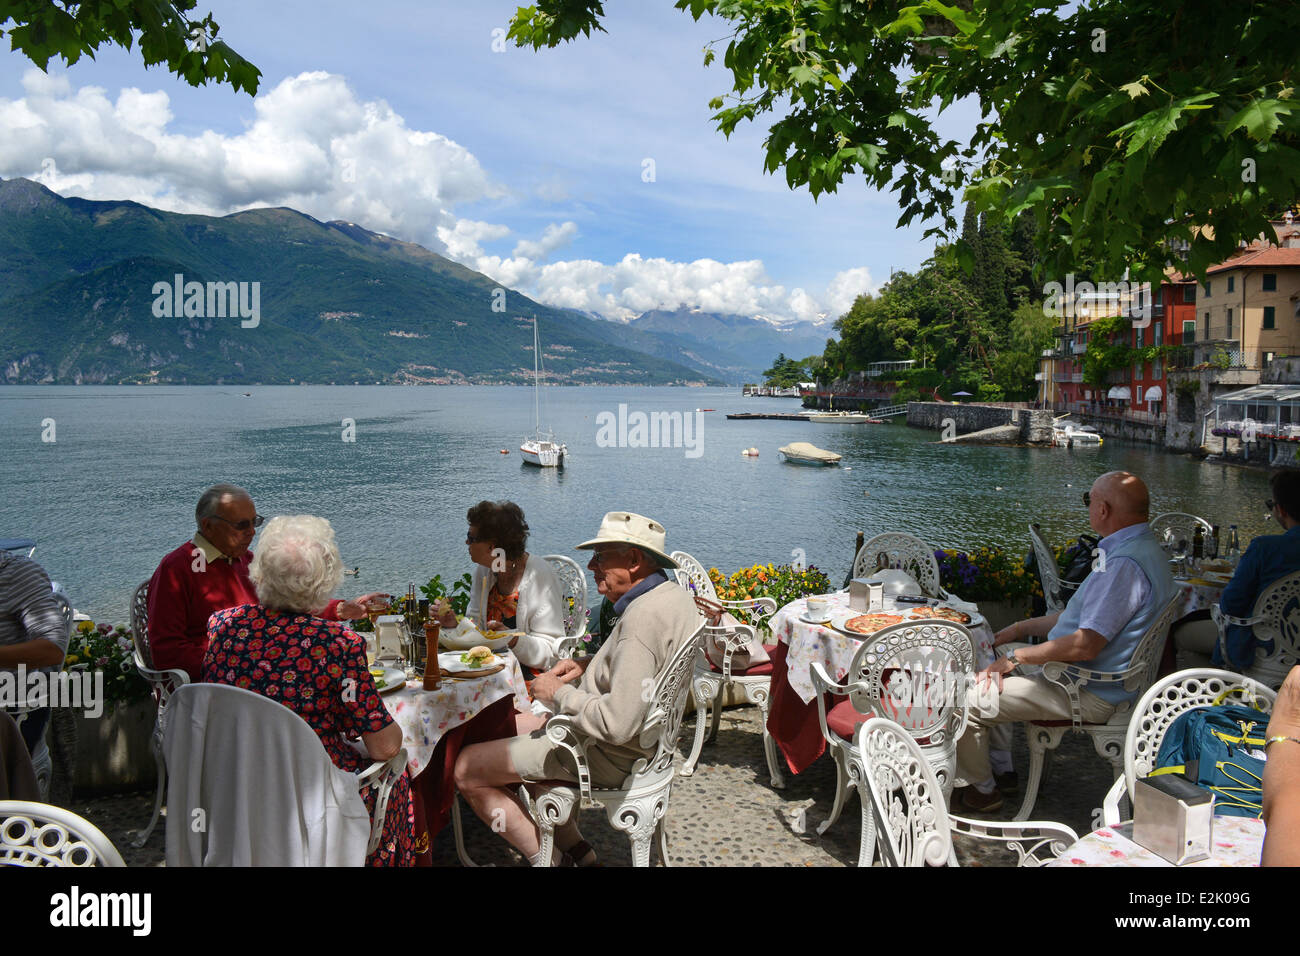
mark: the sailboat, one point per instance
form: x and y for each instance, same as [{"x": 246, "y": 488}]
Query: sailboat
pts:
[{"x": 541, "y": 449}]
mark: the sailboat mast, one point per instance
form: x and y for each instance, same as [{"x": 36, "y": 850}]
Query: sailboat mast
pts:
[{"x": 537, "y": 420}]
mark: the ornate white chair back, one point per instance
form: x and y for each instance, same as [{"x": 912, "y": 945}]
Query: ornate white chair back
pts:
[
  {"x": 910, "y": 814},
  {"x": 1171, "y": 697},
  {"x": 35, "y": 834},
  {"x": 663, "y": 723},
  {"x": 693, "y": 576},
  {"x": 1279, "y": 606},
  {"x": 1048, "y": 573},
  {"x": 902, "y": 551},
  {"x": 140, "y": 624},
  {"x": 916, "y": 673},
  {"x": 1173, "y": 527},
  {"x": 573, "y": 588}
]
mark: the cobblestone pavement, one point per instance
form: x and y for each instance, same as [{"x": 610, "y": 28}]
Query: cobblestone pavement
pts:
[{"x": 727, "y": 814}]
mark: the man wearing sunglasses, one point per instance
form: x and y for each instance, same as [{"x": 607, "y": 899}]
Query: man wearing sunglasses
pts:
[
  {"x": 209, "y": 573},
  {"x": 1269, "y": 557},
  {"x": 1100, "y": 629}
]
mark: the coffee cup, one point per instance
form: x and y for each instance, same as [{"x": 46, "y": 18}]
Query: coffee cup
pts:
[{"x": 817, "y": 608}]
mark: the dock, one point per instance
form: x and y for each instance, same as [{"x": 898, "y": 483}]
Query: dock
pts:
[{"x": 749, "y": 416}]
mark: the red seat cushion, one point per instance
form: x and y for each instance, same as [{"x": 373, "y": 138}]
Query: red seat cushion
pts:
[
  {"x": 758, "y": 670},
  {"x": 844, "y": 721}
]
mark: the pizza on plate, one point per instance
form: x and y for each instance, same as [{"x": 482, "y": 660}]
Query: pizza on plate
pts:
[
  {"x": 943, "y": 613},
  {"x": 870, "y": 623}
]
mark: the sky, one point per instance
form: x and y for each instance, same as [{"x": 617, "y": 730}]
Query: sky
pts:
[{"x": 589, "y": 176}]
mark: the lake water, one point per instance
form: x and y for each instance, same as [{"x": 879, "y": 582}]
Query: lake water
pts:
[{"x": 116, "y": 488}]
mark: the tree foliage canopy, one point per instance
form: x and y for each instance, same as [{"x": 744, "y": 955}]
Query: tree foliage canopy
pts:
[
  {"x": 1123, "y": 126},
  {"x": 41, "y": 29}
]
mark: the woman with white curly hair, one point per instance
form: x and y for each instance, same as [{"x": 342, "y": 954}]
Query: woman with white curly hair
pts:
[{"x": 316, "y": 668}]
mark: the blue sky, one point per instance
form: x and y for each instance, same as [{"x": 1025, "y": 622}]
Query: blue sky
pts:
[{"x": 526, "y": 165}]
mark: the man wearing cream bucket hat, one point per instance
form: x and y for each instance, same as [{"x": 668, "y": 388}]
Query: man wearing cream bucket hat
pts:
[{"x": 604, "y": 694}]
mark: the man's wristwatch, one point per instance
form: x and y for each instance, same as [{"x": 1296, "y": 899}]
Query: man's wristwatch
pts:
[{"x": 1015, "y": 663}]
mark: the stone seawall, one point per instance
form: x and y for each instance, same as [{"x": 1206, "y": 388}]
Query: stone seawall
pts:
[{"x": 1035, "y": 425}]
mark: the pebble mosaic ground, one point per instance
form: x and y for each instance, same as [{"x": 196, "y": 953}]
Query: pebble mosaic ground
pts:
[{"x": 727, "y": 814}]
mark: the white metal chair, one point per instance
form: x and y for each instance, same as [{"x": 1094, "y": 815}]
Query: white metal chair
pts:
[
  {"x": 164, "y": 683},
  {"x": 1276, "y": 619},
  {"x": 639, "y": 807},
  {"x": 1108, "y": 738},
  {"x": 277, "y": 752},
  {"x": 37, "y": 834},
  {"x": 905, "y": 552},
  {"x": 1174, "y": 527},
  {"x": 917, "y": 672},
  {"x": 1056, "y": 593},
  {"x": 910, "y": 819},
  {"x": 1163, "y": 703},
  {"x": 573, "y": 591},
  {"x": 709, "y": 683}
]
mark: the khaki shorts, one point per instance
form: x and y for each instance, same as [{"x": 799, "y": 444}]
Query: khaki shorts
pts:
[{"x": 537, "y": 758}]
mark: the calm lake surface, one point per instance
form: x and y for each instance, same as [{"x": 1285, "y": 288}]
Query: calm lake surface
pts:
[{"x": 116, "y": 489}]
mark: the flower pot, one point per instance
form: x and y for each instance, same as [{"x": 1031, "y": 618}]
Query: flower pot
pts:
[
  {"x": 113, "y": 752},
  {"x": 1000, "y": 614}
]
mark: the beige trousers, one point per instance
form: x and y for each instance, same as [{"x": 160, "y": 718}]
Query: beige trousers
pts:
[
  {"x": 1022, "y": 698},
  {"x": 1194, "y": 643}
]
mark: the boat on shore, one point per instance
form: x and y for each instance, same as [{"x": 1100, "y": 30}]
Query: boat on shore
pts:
[{"x": 806, "y": 453}]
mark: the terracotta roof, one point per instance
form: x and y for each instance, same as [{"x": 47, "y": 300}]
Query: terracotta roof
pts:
[{"x": 1259, "y": 258}]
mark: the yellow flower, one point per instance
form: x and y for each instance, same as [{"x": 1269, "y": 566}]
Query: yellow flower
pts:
[
  {"x": 72, "y": 659},
  {"x": 85, "y": 627}
]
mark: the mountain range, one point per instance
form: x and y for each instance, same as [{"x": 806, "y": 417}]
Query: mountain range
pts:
[{"x": 120, "y": 293}]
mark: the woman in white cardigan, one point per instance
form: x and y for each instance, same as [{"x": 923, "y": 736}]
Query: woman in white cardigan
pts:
[{"x": 512, "y": 590}]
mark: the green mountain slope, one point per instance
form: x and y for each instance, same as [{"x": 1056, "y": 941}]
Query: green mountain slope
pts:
[{"x": 338, "y": 303}]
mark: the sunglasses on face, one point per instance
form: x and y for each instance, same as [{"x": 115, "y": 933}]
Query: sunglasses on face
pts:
[
  {"x": 245, "y": 525},
  {"x": 473, "y": 539},
  {"x": 599, "y": 557},
  {"x": 1087, "y": 499},
  {"x": 1270, "y": 504}
]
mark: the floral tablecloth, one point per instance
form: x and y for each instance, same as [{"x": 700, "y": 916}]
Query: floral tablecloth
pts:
[
  {"x": 1238, "y": 841},
  {"x": 807, "y": 643},
  {"x": 425, "y": 715},
  {"x": 1198, "y": 593}
]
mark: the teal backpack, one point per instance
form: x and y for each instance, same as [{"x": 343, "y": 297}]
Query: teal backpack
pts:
[{"x": 1221, "y": 748}]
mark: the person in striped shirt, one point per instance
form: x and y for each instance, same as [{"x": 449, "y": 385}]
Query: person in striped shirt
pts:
[{"x": 33, "y": 631}]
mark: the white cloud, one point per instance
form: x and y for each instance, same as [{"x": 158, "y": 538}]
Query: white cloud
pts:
[
  {"x": 846, "y": 287},
  {"x": 313, "y": 145},
  {"x": 556, "y": 236}
]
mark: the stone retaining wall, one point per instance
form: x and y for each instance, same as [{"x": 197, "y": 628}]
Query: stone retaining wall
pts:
[{"x": 1035, "y": 424}]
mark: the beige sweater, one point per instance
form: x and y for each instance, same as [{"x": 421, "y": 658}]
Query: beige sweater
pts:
[{"x": 610, "y": 701}]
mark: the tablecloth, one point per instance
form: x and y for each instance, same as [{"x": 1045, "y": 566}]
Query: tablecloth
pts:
[{"x": 1238, "y": 841}]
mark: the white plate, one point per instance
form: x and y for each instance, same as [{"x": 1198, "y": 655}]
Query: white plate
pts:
[
  {"x": 394, "y": 679},
  {"x": 456, "y": 642},
  {"x": 809, "y": 620},
  {"x": 452, "y": 664}
]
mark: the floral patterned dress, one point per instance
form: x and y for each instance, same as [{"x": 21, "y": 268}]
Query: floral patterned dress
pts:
[{"x": 318, "y": 670}]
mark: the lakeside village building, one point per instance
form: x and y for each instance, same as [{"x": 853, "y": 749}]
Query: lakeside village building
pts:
[{"x": 1229, "y": 377}]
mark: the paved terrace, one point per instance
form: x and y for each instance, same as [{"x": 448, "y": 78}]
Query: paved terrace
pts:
[{"x": 727, "y": 814}]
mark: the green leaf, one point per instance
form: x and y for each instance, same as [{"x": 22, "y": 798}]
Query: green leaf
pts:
[{"x": 1260, "y": 118}]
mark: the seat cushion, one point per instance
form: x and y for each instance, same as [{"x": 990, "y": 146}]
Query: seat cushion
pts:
[
  {"x": 844, "y": 721},
  {"x": 758, "y": 670}
]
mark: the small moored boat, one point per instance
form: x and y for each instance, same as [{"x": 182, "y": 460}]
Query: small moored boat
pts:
[{"x": 806, "y": 453}]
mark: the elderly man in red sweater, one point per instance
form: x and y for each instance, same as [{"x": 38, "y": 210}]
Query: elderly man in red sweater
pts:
[{"x": 209, "y": 573}]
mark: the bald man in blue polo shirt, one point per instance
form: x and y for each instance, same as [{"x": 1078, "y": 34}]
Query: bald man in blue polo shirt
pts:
[{"x": 1100, "y": 629}]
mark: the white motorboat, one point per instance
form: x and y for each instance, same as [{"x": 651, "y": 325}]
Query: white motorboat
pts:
[
  {"x": 840, "y": 418},
  {"x": 1069, "y": 434},
  {"x": 541, "y": 449},
  {"x": 805, "y": 453}
]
